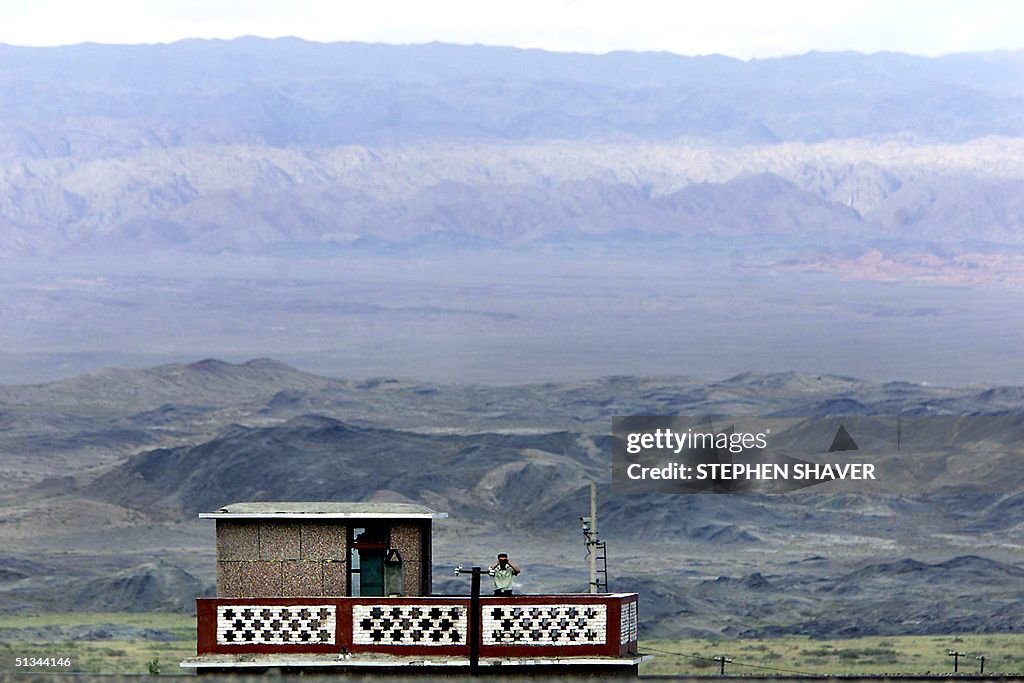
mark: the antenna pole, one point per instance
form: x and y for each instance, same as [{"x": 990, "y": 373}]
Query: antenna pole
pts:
[{"x": 593, "y": 535}]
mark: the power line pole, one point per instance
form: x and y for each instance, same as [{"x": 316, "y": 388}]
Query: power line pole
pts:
[
  {"x": 722, "y": 661},
  {"x": 956, "y": 659},
  {"x": 981, "y": 658}
]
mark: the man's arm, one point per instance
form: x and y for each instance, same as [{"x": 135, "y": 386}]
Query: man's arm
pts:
[{"x": 515, "y": 569}]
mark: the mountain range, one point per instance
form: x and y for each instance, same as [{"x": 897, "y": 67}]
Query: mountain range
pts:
[
  {"x": 288, "y": 148},
  {"x": 140, "y": 452}
]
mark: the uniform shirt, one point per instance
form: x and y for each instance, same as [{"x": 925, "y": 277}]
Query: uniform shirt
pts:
[{"x": 503, "y": 578}]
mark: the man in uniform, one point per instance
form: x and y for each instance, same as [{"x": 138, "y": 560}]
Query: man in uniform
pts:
[{"x": 503, "y": 571}]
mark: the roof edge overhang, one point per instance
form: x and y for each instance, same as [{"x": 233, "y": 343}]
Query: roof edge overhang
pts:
[{"x": 323, "y": 515}]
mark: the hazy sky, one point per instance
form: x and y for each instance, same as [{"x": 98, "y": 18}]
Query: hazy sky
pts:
[{"x": 738, "y": 28}]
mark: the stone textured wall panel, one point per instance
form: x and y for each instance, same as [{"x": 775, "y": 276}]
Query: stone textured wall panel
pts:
[
  {"x": 335, "y": 578},
  {"x": 300, "y": 578},
  {"x": 237, "y": 540},
  {"x": 323, "y": 541},
  {"x": 279, "y": 541}
]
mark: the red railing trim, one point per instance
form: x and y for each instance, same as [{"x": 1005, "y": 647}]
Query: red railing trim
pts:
[{"x": 206, "y": 616}]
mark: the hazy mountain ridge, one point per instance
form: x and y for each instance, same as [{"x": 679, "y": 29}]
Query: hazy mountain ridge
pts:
[
  {"x": 321, "y": 458},
  {"x": 288, "y": 92},
  {"x": 232, "y": 199},
  {"x": 264, "y": 391},
  {"x": 250, "y": 145},
  {"x": 210, "y": 381}
]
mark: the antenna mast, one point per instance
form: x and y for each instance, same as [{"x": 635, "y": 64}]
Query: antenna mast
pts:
[{"x": 596, "y": 551}]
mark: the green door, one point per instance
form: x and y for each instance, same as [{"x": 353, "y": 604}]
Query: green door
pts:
[{"x": 370, "y": 563}]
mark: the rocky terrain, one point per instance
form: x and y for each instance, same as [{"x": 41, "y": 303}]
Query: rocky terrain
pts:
[{"x": 103, "y": 474}]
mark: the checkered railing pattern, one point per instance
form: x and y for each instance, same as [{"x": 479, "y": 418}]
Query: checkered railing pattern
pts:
[{"x": 510, "y": 626}]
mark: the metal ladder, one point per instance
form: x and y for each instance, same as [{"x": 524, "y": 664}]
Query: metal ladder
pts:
[{"x": 602, "y": 566}]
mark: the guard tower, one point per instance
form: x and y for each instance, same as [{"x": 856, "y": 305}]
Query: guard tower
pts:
[{"x": 346, "y": 587}]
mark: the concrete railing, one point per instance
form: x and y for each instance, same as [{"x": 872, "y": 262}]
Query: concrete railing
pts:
[{"x": 510, "y": 626}]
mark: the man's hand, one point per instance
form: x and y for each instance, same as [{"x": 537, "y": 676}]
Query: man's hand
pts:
[{"x": 515, "y": 569}]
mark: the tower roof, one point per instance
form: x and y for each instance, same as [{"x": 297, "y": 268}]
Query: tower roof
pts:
[{"x": 323, "y": 510}]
